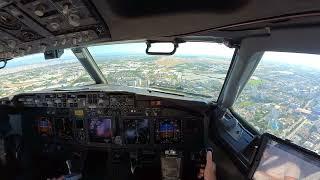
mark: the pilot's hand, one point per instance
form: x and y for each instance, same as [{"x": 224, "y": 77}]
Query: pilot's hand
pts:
[
  {"x": 59, "y": 178},
  {"x": 259, "y": 175},
  {"x": 209, "y": 171}
]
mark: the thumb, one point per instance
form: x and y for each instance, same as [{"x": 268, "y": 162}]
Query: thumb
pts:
[
  {"x": 209, "y": 157},
  {"x": 210, "y": 169}
]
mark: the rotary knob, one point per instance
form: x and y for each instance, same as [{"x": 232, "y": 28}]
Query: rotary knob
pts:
[
  {"x": 12, "y": 43},
  {"x": 66, "y": 8},
  {"x": 79, "y": 39},
  {"x": 22, "y": 51},
  {"x": 40, "y": 10},
  {"x": 86, "y": 36},
  {"x": 29, "y": 48},
  {"x": 63, "y": 41},
  {"x": 74, "y": 41},
  {"x": 55, "y": 43},
  {"x": 54, "y": 26},
  {"x": 74, "y": 20}
]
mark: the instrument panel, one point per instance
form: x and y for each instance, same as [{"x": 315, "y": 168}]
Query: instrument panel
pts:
[{"x": 100, "y": 119}]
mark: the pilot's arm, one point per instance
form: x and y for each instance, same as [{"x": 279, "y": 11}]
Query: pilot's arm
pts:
[{"x": 209, "y": 171}]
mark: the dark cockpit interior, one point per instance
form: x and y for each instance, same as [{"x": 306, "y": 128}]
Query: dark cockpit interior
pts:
[
  {"x": 105, "y": 134},
  {"x": 156, "y": 114}
]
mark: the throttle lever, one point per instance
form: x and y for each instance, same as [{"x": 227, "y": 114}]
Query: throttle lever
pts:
[
  {"x": 202, "y": 156},
  {"x": 202, "y": 159}
]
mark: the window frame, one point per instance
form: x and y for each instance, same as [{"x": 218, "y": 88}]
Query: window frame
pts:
[
  {"x": 241, "y": 119},
  {"x": 226, "y": 80}
]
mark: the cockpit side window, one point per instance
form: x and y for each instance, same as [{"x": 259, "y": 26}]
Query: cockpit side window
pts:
[{"x": 283, "y": 98}]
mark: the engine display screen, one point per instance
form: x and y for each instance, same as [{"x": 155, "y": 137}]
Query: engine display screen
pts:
[{"x": 100, "y": 129}]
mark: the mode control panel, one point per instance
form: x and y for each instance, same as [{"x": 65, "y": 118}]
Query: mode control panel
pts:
[
  {"x": 121, "y": 100},
  {"x": 77, "y": 100}
]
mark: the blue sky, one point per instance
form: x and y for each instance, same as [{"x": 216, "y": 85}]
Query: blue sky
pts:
[
  {"x": 308, "y": 60},
  {"x": 190, "y": 48},
  {"x": 193, "y": 48}
]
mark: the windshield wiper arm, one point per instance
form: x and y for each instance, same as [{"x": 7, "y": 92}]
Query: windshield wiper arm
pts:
[
  {"x": 172, "y": 92},
  {"x": 164, "y": 92}
]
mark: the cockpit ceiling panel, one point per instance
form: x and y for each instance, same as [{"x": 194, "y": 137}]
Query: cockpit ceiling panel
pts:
[
  {"x": 33, "y": 26},
  {"x": 130, "y": 19}
]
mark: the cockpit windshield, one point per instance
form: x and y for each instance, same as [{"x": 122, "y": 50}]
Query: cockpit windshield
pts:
[
  {"x": 197, "y": 69},
  {"x": 34, "y": 73}
]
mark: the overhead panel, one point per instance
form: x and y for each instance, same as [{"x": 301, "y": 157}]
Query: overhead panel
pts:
[{"x": 32, "y": 26}]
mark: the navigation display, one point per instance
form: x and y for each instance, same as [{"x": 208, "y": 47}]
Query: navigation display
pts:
[
  {"x": 63, "y": 127},
  {"x": 283, "y": 161},
  {"x": 136, "y": 131},
  {"x": 100, "y": 129}
]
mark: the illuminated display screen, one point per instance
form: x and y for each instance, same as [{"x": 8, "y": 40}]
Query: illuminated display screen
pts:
[
  {"x": 137, "y": 131},
  {"x": 167, "y": 129},
  {"x": 280, "y": 161},
  {"x": 63, "y": 127},
  {"x": 44, "y": 127},
  {"x": 100, "y": 129}
]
